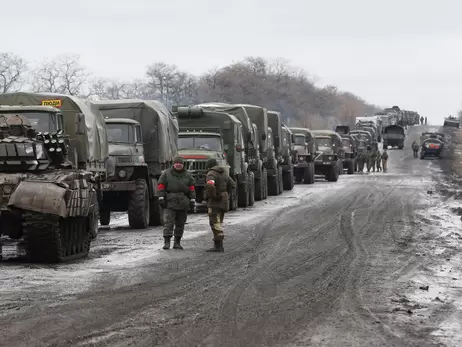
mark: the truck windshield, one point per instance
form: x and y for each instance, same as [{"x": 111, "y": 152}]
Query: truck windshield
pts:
[
  {"x": 300, "y": 140},
  {"x": 41, "y": 121},
  {"x": 209, "y": 143},
  {"x": 323, "y": 144},
  {"x": 120, "y": 133}
]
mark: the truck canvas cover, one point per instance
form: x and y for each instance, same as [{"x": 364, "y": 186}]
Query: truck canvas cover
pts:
[
  {"x": 160, "y": 128},
  {"x": 95, "y": 146}
]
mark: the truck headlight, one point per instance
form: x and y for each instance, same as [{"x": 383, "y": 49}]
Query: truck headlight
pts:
[
  {"x": 301, "y": 158},
  {"x": 122, "y": 173}
]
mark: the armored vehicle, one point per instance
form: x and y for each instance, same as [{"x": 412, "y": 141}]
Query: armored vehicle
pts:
[
  {"x": 289, "y": 158},
  {"x": 50, "y": 183},
  {"x": 143, "y": 146},
  {"x": 350, "y": 149},
  {"x": 431, "y": 146},
  {"x": 329, "y": 154},
  {"x": 252, "y": 148},
  {"x": 451, "y": 122},
  {"x": 394, "y": 136},
  {"x": 305, "y": 152},
  {"x": 206, "y": 134}
]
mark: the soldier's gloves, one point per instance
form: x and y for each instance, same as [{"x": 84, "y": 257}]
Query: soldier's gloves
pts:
[
  {"x": 162, "y": 202},
  {"x": 192, "y": 203}
]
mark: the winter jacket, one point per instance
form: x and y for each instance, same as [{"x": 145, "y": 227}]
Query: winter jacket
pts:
[
  {"x": 177, "y": 188},
  {"x": 218, "y": 187}
]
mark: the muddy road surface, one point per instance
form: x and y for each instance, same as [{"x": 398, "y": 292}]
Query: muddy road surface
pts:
[{"x": 319, "y": 266}]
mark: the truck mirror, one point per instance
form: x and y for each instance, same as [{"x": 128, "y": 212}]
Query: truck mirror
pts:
[{"x": 80, "y": 124}]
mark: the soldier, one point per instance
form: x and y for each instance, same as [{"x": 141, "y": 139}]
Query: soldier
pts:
[
  {"x": 425, "y": 120},
  {"x": 415, "y": 149},
  {"x": 361, "y": 161},
  {"x": 421, "y": 120},
  {"x": 379, "y": 161},
  {"x": 176, "y": 196},
  {"x": 368, "y": 158},
  {"x": 373, "y": 158},
  {"x": 218, "y": 188},
  {"x": 384, "y": 160}
]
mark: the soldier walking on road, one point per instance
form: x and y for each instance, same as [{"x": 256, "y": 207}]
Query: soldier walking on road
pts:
[
  {"x": 415, "y": 149},
  {"x": 384, "y": 160},
  {"x": 217, "y": 190},
  {"x": 379, "y": 161},
  {"x": 176, "y": 196},
  {"x": 368, "y": 158},
  {"x": 361, "y": 161},
  {"x": 421, "y": 120},
  {"x": 373, "y": 159},
  {"x": 425, "y": 120}
]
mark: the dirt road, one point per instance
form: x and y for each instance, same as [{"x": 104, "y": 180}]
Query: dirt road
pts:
[{"x": 324, "y": 265}]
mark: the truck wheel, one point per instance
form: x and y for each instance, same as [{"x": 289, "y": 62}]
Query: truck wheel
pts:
[
  {"x": 259, "y": 192},
  {"x": 273, "y": 185},
  {"x": 243, "y": 188},
  {"x": 104, "y": 215},
  {"x": 288, "y": 180},
  {"x": 351, "y": 167},
  {"x": 155, "y": 213},
  {"x": 332, "y": 174},
  {"x": 281, "y": 182},
  {"x": 233, "y": 200},
  {"x": 138, "y": 206},
  {"x": 251, "y": 179},
  {"x": 379, "y": 139},
  {"x": 299, "y": 176},
  {"x": 265, "y": 183},
  {"x": 308, "y": 177}
]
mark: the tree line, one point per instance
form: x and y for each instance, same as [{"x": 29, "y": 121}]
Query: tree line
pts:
[{"x": 275, "y": 84}]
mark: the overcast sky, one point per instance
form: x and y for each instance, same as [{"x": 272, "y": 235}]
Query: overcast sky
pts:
[{"x": 406, "y": 53}]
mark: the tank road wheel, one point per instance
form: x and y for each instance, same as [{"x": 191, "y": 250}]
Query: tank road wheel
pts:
[
  {"x": 288, "y": 179},
  {"x": 54, "y": 239},
  {"x": 332, "y": 174},
  {"x": 281, "y": 181},
  {"x": 308, "y": 177},
  {"x": 259, "y": 192},
  {"x": 350, "y": 167},
  {"x": 251, "y": 180},
  {"x": 104, "y": 215},
  {"x": 243, "y": 196},
  {"x": 138, "y": 206}
]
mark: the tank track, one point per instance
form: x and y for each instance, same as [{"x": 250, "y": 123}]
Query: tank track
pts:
[{"x": 50, "y": 238}]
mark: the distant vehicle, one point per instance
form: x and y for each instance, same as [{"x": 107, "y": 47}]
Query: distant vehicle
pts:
[
  {"x": 394, "y": 136},
  {"x": 431, "y": 147},
  {"x": 452, "y": 122}
]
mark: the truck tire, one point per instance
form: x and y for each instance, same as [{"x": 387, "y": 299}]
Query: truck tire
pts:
[
  {"x": 251, "y": 179},
  {"x": 308, "y": 177},
  {"x": 155, "y": 213},
  {"x": 259, "y": 193},
  {"x": 288, "y": 180},
  {"x": 281, "y": 182},
  {"x": 265, "y": 183},
  {"x": 273, "y": 184},
  {"x": 233, "y": 200},
  {"x": 332, "y": 174},
  {"x": 351, "y": 167},
  {"x": 138, "y": 206},
  {"x": 104, "y": 215},
  {"x": 243, "y": 195},
  {"x": 379, "y": 139}
]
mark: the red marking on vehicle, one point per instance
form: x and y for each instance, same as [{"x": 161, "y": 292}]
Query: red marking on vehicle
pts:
[
  {"x": 212, "y": 182},
  {"x": 191, "y": 188},
  {"x": 195, "y": 157},
  {"x": 161, "y": 186}
]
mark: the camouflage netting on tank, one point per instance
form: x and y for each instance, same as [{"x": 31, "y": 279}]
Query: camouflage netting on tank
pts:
[
  {"x": 160, "y": 128},
  {"x": 93, "y": 145}
]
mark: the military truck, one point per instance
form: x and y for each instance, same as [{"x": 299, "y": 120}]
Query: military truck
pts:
[
  {"x": 329, "y": 154},
  {"x": 373, "y": 122},
  {"x": 350, "y": 149},
  {"x": 362, "y": 134},
  {"x": 251, "y": 145},
  {"x": 143, "y": 137},
  {"x": 289, "y": 158},
  {"x": 52, "y": 164},
  {"x": 206, "y": 134},
  {"x": 394, "y": 136},
  {"x": 304, "y": 170}
]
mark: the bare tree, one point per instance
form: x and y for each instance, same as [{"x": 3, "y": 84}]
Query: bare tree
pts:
[
  {"x": 12, "y": 72},
  {"x": 63, "y": 74}
]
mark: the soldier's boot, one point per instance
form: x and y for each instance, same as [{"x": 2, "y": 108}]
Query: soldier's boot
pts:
[
  {"x": 217, "y": 247},
  {"x": 167, "y": 242},
  {"x": 176, "y": 243}
]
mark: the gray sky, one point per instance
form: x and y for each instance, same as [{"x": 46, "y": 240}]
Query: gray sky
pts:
[{"x": 406, "y": 53}]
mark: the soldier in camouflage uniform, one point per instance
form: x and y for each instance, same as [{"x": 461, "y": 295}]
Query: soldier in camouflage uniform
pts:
[
  {"x": 415, "y": 148},
  {"x": 368, "y": 155},
  {"x": 176, "y": 195},
  {"x": 384, "y": 160},
  {"x": 361, "y": 161},
  {"x": 218, "y": 188},
  {"x": 373, "y": 159},
  {"x": 379, "y": 161}
]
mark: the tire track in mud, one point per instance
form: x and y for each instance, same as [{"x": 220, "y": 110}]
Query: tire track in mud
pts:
[{"x": 228, "y": 333}]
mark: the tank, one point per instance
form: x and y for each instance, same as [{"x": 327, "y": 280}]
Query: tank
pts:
[
  {"x": 452, "y": 122},
  {"x": 48, "y": 205}
]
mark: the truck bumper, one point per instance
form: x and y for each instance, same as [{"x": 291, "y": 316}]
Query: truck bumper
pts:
[
  {"x": 322, "y": 167},
  {"x": 123, "y": 186}
]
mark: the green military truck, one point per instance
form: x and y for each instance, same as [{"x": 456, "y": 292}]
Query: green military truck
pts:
[
  {"x": 251, "y": 145},
  {"x": 143, "y": 140},
  {"x": 394, "y": 136},
  {"x": 206, "y": 134},
  {"x": 52, "y": 163},
  {"x": 350, "y": 150},
  {"x": 304, "y": 146},
  {"x": 329, "y": 154}
]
